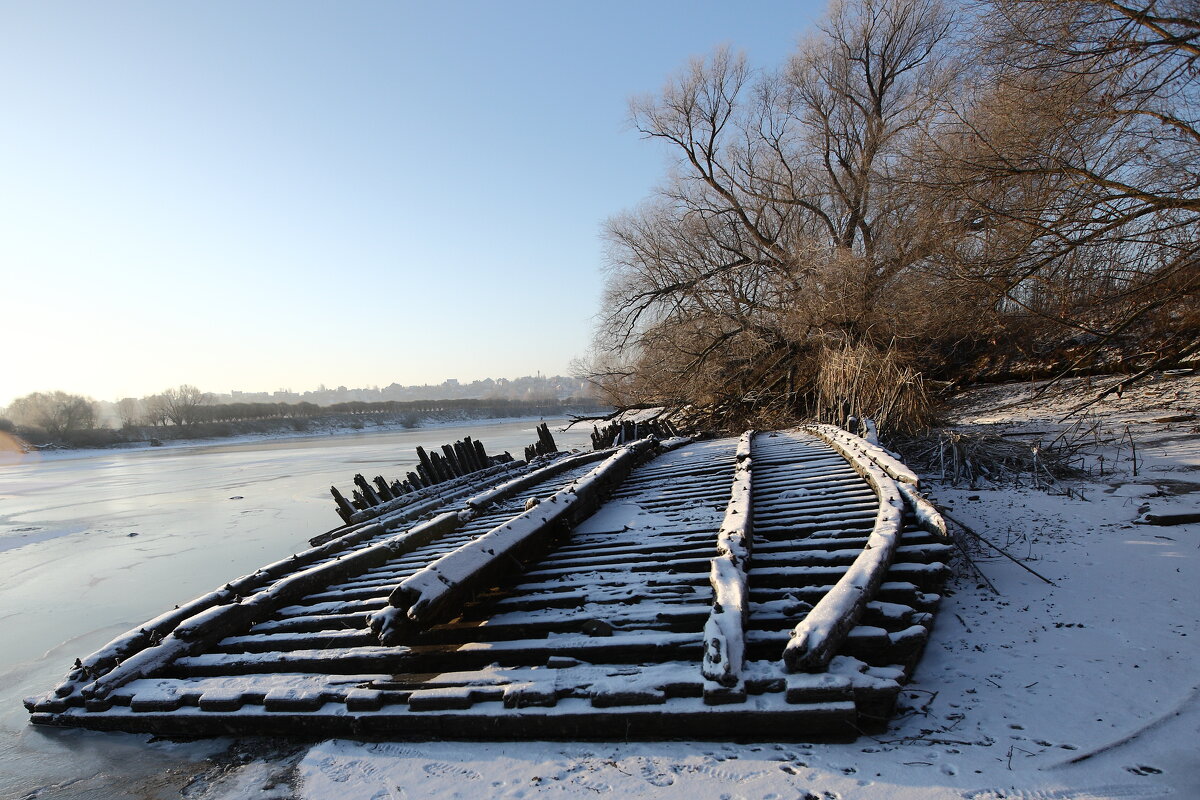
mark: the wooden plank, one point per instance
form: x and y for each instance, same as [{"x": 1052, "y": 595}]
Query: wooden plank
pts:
[
  {"x": 572, "y": 719},
  {"x": 433, "y": 593}
]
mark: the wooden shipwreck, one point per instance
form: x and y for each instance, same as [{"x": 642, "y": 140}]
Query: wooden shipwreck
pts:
[{"x": 771, "y": 586}]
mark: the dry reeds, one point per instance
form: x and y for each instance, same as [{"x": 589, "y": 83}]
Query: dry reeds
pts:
[
  {"x": 959, "y": 457},
  {"x": 859, "y": 380}
]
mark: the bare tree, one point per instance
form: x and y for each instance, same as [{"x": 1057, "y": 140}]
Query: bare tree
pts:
[
  {"x": 57, "y": 413},
  {"x": 787, "y": 218},
  {"x": 908, "y": 196},
  {"x": 130, "y": 411},
  {"x": 154, "y": 410},
  {"x": 181, "y": 404},
  {"x": 1079, "y": 167}
]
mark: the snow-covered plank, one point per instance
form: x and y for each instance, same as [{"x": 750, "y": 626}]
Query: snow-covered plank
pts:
[
  {"x": 197, "y": 631},
  {"x": 421, "y": 501},
  {"x": 841, "y": 440},
  {"x": 817, "y": 638},
  {"x": 631, "y": 593},
  {"x": 724, "y": 631},
  {"x": 568, "y": 718},
  {"x": 482, "y": 500},
  {"x": 928, "y": 517},
  {"x": 421, "y": 598}
]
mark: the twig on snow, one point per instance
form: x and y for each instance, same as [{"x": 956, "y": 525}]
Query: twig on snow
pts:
[{"x": 999, "y": 550}]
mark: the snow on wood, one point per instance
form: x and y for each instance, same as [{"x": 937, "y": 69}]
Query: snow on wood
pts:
[
  {"x": 481, "y": 500},
  {"x": 842, "y": 441},
  {"x": 254, "y": 687},
  {"x": 422, "y": 598},
  {"x": 927, "y": 515},
  {"x": 218, "y": 620},
  {"x": 418, "y": 509},
  {"x": 152, "y": 633},
  {"x": 817, "y": 638},
  {"x": 447, "y": 490},
  {"x": 139, "y": 665},
  {"x": 416, "y": 504},
  {"x": 684, "y": 495},
  {"x": 107, "y": 657},
  {"x": 220, "y": 664},
  {"x": 724, "y": 632}
]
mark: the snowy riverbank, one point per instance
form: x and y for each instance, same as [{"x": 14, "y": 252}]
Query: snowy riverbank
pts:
[
  {"x": 1082, "y": 689},
  {"x": 1085, "y": 688}
]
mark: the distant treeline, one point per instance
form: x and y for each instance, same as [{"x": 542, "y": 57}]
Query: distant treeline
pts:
[
  {"x": 60, "y": 419},
  {"x": 237, "y": 412}
]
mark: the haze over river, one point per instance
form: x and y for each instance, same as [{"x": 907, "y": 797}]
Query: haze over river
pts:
[{"x": 94, "y": 543}]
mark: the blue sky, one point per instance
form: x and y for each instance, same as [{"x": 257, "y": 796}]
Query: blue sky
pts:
[{"x": 263, "y": 195}]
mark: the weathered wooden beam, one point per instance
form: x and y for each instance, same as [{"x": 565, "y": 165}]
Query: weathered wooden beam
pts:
[
  {"x": 429, "y": 475},
  {"x": 218, "y": 621},
  {"x": 382, "y": 489},
  {"x": 724, "y": 631},
  {"x": 816, "y": 640},
  {"x": 452, "y": 461},
  {"x": 424, "y": 598},
  {"x": 344, "y": 509},
  {"x": 368, "y": 493}
]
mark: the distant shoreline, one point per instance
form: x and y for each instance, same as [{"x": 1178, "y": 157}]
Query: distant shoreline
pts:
[{"x": 283, "y": 430}]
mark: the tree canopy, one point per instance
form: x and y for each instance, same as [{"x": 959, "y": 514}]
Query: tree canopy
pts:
[{"x": 921, "y": 192}]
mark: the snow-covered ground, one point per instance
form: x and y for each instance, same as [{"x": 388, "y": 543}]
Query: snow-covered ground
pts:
[
  {"x": 1086, "y": 689},
  {"x": 1083, "y": 689}
]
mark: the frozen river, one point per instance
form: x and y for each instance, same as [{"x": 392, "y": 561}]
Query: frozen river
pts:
[{"x": 93, "y": 544}]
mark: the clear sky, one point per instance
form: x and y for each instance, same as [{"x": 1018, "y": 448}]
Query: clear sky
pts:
[{"x": 255, "y": 195}]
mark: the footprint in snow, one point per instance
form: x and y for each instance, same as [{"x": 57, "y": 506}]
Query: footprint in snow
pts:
[
  {"x": 342, "y": 771},
  {"x": 655, "y": 776},
  {"x": 388, "y": 793},
  {"x": 584, "y": 782},
  {"x": 1142, "y": 769},
  {"x": 389, "y": 749},
  {"x": 440, "y": 769},
  {"x": 1093, "y": 793},
  {"x": 567, "y": 772},
  {"x": 718, "y": 772}
]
